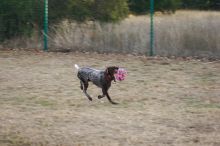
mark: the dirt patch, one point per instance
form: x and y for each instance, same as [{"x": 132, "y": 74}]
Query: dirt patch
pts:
[{"x": 162, "y": 102}]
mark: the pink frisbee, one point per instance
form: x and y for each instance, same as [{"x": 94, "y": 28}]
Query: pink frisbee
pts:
[{"x": 121, "y": 74}]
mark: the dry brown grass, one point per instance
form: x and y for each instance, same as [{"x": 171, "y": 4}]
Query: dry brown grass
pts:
[
  {"x": 186, "y": 33},
  {"x": 162, "y": 102}
]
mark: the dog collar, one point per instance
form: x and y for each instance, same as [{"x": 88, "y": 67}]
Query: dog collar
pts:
[{"x": 108, "y": 77}]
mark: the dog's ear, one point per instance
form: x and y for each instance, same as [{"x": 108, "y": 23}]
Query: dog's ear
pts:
[{"x": 106, "y": 70}]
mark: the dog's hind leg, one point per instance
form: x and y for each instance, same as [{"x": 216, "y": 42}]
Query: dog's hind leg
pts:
[
  {"x": 103, "y": 95},
  {"x": 81, "y": 85},
  {"x": 86, "y": 85}
]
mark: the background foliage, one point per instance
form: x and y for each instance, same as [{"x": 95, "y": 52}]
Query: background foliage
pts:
[{"x": 19, "y": 18}]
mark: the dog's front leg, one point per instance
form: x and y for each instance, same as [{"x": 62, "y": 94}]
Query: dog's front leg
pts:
[
  {"x": 103, "y": 94},
  {"x": 85, "y": 91},
  {"x": 109, "y": 99}
]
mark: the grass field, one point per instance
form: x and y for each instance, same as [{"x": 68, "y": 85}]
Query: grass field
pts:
[
  {"x": 162, "y": 102},
  {"x": 185, "y": 33}
]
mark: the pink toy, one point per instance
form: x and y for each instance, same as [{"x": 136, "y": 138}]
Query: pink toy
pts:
[{"x": 121, "y": 74}]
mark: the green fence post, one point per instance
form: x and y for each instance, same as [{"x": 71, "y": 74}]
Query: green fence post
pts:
[
  {"x": 151, "y": 27},
  {"x": 45, "y": 25}
]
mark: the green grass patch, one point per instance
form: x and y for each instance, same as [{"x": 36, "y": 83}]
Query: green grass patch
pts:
[
  {"x": 210, "y": 105},
  {"x": 13, "y": 140},
  {"x": 46, "y": 102},
  {"x": 31, "y": 101},
  {"x": 197, "y": 103}
]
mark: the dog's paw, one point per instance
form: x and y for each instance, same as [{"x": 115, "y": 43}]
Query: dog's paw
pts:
[
  {"x": 90, "y": 98},
  {"x": 100, "y": 96},
  {"x": 115, "y": 103}
]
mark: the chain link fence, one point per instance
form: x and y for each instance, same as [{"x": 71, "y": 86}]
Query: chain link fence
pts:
[{"x": 88, "y": 26}]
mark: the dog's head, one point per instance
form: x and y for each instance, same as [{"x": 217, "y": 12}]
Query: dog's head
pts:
[{"x": 110, "y": 72}]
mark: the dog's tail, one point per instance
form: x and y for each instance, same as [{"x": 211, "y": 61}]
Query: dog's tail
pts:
[{"x": 77, "y": 66}]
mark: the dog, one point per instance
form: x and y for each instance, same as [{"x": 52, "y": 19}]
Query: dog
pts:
[{"x": 101, "y": 78}]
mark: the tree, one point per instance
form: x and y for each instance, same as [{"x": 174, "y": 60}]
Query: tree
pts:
[
  {"x": 16, "y": 18},
  {"x": 20, "y": 17},
  {"x": 198, "y": 4},
  {"x": 101, "y": 10},
  {"x": 80, "y": 10},
  {"x": 143, "y": 6},
  {"x": 139, "y": 6},
  {"x": 215, "y": 4},
  {"x": 110, "y": 10},
  {"x": 167, "y": 5},
  {"x": 58, "y": 10}
]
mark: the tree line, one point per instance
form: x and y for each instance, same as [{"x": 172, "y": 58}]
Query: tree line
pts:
[{"x": 21, "y": 17}]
